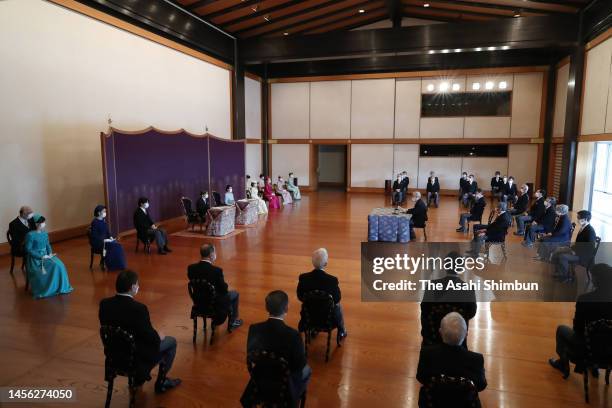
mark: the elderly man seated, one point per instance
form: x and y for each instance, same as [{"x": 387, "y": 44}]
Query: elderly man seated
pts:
[{"x": 450, "y": 358}]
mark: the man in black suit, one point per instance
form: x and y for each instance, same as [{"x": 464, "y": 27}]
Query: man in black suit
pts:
[
  {"x": 493, "y": 232},
  {"x": 203, "y": 205},
  {"x": 536, "y": 212},
  {"x": 522, "y": 202},
  {"x": 509, "y": 191},
  {"x": 152, "y": 348},
  {"x": 18, "y": 228},
  {"x": 462, "y": 182},
  {"x": 397, "y": 190},
  {"x": 227, "y": 301},
  {"x": 146, "y": 228},
  {"x": 496, "y": 186},
  {"x": 318, "y": 279},
  {"x": 404, "y": 185},
  {"x": 580, "y": 253},
  {"x": 449, "y": 358},
  {"x": 475, "y": 213},
  {"x": 469, "y": 190},
  {"x": 433, "y": 189},
  {"x": 590, "y": 307},
  {"x": 275, "y": 336},
  {"x": 419, "y": 213},
  {"x": 544, "y": 224}
]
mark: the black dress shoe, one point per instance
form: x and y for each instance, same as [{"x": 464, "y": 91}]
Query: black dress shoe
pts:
[
  {"x": 161, "y": 252},
  {"x": 557, "y": 365},
  {"x": 460, "y": 229},
  {"x": 341, "y": 336},
  {"x": 167, "y": 384},
  {"x": 519, "y": 234},
  {"x": 236, "y": 323},
  {"x": 167, "y": 249}
]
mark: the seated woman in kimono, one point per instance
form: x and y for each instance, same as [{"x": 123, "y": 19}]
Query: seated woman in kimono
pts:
[
  {"x": 229, "y": 195},
  {"x": 292, "y": 188},
  {"x": 269, "y": 195},
  {"x": 280, "y": 189},
  {"x": 46, "y": 272},
  {"x": 103, "y": 242},
  {"x": 262, "y": 208}
]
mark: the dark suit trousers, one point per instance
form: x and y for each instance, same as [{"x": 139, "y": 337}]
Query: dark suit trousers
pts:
[
  {"x": 569, "y": 346},
  {"x": 435, "y": 197},
  {"x": 167, "y": 352},
  {"x": 234, "y": 299},
  {"x": 531, "y": 231},
  {"x": 300, "y": 381},
  {"x": 562, "y": 258},
  {"x": 339, "y": 318},
  {"x": 161, "y": 238}
]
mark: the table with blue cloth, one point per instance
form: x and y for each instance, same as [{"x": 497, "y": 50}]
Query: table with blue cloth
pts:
[{"x": 388, "y": 225}]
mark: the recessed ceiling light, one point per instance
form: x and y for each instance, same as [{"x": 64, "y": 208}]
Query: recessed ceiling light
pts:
[
  {"x": 491, "y": 48},
  {"x": 456, "y": 87},
  {"x": 443, "y": 87},
  {"x": 476, "y": 86},
  {"x": 516, "y": 14},
  {"x": 505, "y": 47},
  {"x": 361, "y": 10},
  {"x": 432, "y": 52},
  {"x": 457, "y": 49},
  {"x": 489, "y": 85},
  {"x": 285, "y": 33},
  {"x": 267, "y": 18},
  {"x": 430, "y": 87},
  {"x": 426, "y": 5},
  {"x": 479, "y": 49},
  {"x": 444, "y": 51},
  {"x": 503, "y": 85}
]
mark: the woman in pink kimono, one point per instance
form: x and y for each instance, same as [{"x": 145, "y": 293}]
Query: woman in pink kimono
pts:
[
  {"x": 280, "y": 189},
  {"x": 269, "y": 195}
]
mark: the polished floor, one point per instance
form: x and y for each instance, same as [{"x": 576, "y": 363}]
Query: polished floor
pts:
[{"x": 55, "y": 342}]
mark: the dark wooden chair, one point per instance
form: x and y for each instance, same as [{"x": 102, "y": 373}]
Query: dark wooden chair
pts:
[
  {"x": 598, "y": 351},
  {"x": 424, "y": 228},
  {"x": 591, "y": 262},
  {"x": 502, "y": 244},
  {"x": 9, "y": 239},
  {"x": 191, "y": 217},
  {"x": 204, "y": 299},
  {"x": 443, "y": 391},
  {"x": 434, "y": 318},
  {"x": 120, "y": 352},
  {"x": 144, "y": 237},
  {"x": 93, "y": 252},
  {"x": 217, "y": 199},
  {"x": 269, "y": 385},
  {"x": 469, "y": 222},
  {"x": 318, "y": 316}
]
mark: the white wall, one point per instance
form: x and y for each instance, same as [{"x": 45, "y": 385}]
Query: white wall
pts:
[
  {"x": 526, "y": 105},
  {"x": 596, "y": 105},
  {"x": 560, "y": 101},
  {"x": 252, "y": 108},
  {"x": 448, "y": 171},
  {"x": 371, "y": 164},
  {"x": 291, "y": 110},
  {"x": 293, "y": 158},
  {"x": 330, "y": 109},
  {"x": 407, "y": 108},
  {"x": 584, "y": 175},
  {"x": 62, "y": 75},
  {"x": 523, "y": 162},
  {"x": 252, "y": 161},
  {"x": 372, "y": 107},
  {"x": 406, "y": 158}
]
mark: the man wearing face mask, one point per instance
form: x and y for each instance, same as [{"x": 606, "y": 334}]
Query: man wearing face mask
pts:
[
  {"x": 545, "y": 223},
  {"x": 509, "y": 191},
  {"x": 493, "y": 232},
  {"x": 522, "y": 202},
  {"x": 496, "y": 186},
  {"x": 397, "y": 190},
  {"x": 18, "y": 228},
  {"x": 146, "y": 228},
  {"x": 227, "y": 300},
  {"x": 404, "y": 184},
  {"x": 462, "y": 185},
  {"x": 103, "y": 243},
  {"x": 580, "y": 253},
  {"x": 475, "y": 213},
  {"x": 203, "y": 204},
  {"x": 419, "y": 213},
  {"x": 560, "y": 235},
  {"x": 152, "y": 348},
  {"x": 469, "y": 190},
  {"x": 433, "y": 189},
  {"x": 536, "y": 212}
]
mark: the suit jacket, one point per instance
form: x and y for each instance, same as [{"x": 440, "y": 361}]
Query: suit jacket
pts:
[
  {"x": 419, "y": 214},
  {"x": 562, "y": 231},
  {"x": 521, "y": 204},
  {"x": 585, "y": 244},
  {"x": 454, "y": 361},
  {"x": 404, "y": 184},
  {"x": 497, "y": 184},
  {"x": 397, "y": 185},
  {"x": 477, "y": 209},
  {"x": 433, "y": 187},
  {"x": 18, "y": 232},
  {"x": 133, "y": 316},
  {"x": 537, "y": 210},
  {"x": 509, "y": 190},
  {"x": 318, "y": 279},
  {"x": 202, "y": 206},
  {"x": 471, "y": 187},
  {"x": 214, "y": 275},
  {"x": 548, "y": 219},
  {"x": 592, "y": 306},
  {"x": 496, "y": 231},
  {"x": 142, "y": 222},
  {"x": 462, "y": 183}
]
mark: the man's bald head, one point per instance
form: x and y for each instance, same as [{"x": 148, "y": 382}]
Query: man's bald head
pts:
[{"x": 453, "y": 329}]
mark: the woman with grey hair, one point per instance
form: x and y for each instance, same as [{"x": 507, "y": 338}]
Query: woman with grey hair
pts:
[{"x": 561, "y": 234}]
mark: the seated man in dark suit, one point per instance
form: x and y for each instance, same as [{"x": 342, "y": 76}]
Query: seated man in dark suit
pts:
[
  {"x": 590, "y": 307},
  {"x": 544, "y": 224},
  {"x": 275, "y": 336},
  {"x": 509, "y": 190},
  {"x": 203, "y": 205},
  {"x": 497, "y": 184},
  {"x": 469, "y": 190},
  {"x": 419, "y": 213},
  {"x": 18, "y": 228},
  {"x": 462, "y": 184},
  {"x": 449, "y": 358},
  {"x": 227, "y": 301},
  {"x": 404, "y": 185},
  {"x": 152, "y": 348},
  {"x": 433, "y": 189},
  {"x": 580, "y": 253},
  {"x": 397, "y": 191},
  {"x": 146, "y": 228},
  {"x": 318, "y": 279},
  {"x": 560, "y": 235},
  {"x": 522, "y": 202},
  {"x": 494, "y": 232},
  {"x": 465, "y": 300},
  {"x": 475, "y": 213},
  {"x": 536, "y": 212}
]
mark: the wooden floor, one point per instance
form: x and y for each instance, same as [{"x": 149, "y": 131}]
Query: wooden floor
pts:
[{"x": 55, "y": 342}]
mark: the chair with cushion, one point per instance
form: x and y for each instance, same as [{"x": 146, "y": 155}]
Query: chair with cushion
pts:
[
  {"x": 217, "y": 199},
  {"x": 490, "y": 244},
  {"x": 9, "y": 239},
  {"x": 191, "y": 217},
  {"x": 318, "y": 316},
  {"x": 120, "y": 351},
  {"x": 270, "y": 383},
  {"x": 204, "y": 299},
  {"x": 93, "y": 252},
  {"x": 443, "y": 391},
  {"x": 598, "y": 351}
]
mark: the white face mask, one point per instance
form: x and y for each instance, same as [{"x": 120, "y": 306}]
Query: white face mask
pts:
[
  {"x": 43, "y": 225},
  {"x": 135, "y": 289},
  {"x": 510, "y": 181},
  {"x": 103, "y": 214},
  {"x": 146, "y": 205},
  {"x": 583, "y": 222},
  {"x": 471, "y": 179},
  {"x": 505, "y": 180},
  {"x": 29, "y": 216}
]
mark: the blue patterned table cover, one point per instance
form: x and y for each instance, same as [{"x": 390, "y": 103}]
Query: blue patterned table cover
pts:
[{"x": 386, "y": 226}]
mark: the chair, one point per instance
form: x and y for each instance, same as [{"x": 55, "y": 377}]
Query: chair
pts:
[
  {"x": 489, "y": 244},
  {"x": 9, "y": 239},
  {"x": 217, "y": 199},
  {"x": 434, "y": 318},
  {"x": 444, "y": 391},
  {"x": 318, "y": 316},
  {"x": 144, "y": 237},
  {"x": 120, "y": 352},
  {"x": 191, "y": 216},
  {"x": 479, "y": 221},
  {"x": 591, "y": 262},
  {"x": 204, "y": 299},
  {"x": 270, "y": 383},
  {"x": 92, "y": 252},
  {"x": 598, "y": 350},
  {"x": 424, "y": 228}
]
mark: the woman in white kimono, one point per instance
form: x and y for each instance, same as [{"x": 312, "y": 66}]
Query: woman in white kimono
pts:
[
  {"x": 293, "y": 189},
  {"x": 280, "y": 189},
  {"x": 262, "y": 208}
]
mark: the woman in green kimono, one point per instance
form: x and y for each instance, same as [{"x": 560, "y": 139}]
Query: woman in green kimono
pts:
[
  {"x": 293, "y": 189},
  {"x": 46, "y": 272}
]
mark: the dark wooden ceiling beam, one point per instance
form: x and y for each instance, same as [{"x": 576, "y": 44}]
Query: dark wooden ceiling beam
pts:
[
  {"x": 359, "y": 24},
  {"x": 394, "y": 8},
  {"x": 472, "y": 8},
  {"x": 260, "y": 13},
  {"x": 241, "y": 5},
  {"x": 199, "y": 4},
  {"x": 452, "y": 14},
  {"x": 546, "y": 6},
  {"x": 378, "y": 12},
  {"x": 492, "y": 6}
]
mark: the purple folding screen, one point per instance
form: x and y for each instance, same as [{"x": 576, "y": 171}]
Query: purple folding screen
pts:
[
  {"x": 162, "y": 166},
  {"x": 225, "y": 168}
]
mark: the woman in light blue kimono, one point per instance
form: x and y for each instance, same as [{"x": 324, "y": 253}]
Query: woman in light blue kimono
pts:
[
  {"x": 229, "y": 195},
  {"x": 292, "y": 188},
  {"x": 46, "y": 272}
]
